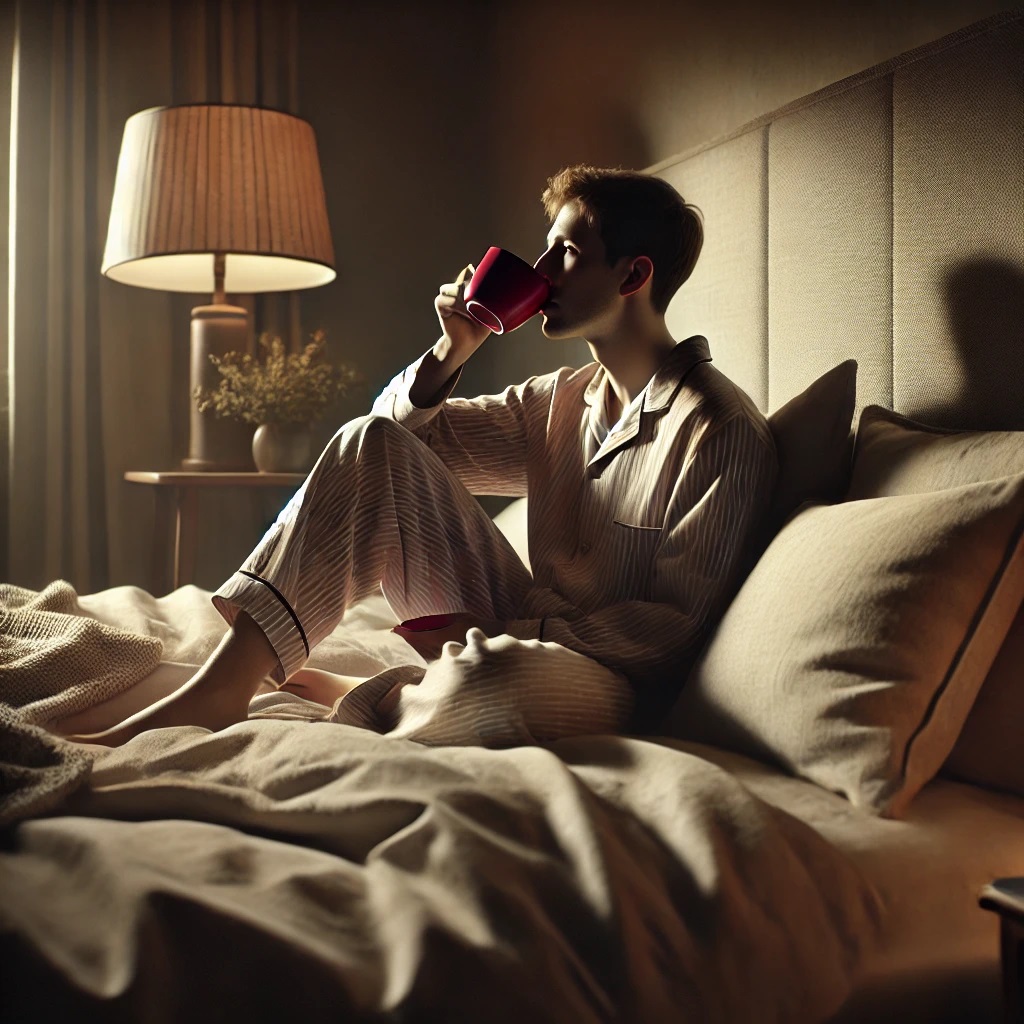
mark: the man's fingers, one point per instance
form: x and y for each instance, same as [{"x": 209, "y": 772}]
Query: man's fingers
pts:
[
  {"x": 442, "y": 347},
  {"x": 454, "y": 289},
  {"x": 447, "y": 305}
]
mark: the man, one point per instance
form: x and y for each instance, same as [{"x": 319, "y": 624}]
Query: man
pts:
[{"x": 647, "y": 473}]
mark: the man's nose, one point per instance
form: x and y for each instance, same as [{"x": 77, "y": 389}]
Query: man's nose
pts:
[{"x": 542, "y": 264}]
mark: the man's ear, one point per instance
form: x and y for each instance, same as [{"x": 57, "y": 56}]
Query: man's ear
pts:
[{"x": 640, "y": 271}]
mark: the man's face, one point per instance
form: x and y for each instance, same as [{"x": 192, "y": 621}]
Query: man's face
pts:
[{"x": 584, "y": 289}]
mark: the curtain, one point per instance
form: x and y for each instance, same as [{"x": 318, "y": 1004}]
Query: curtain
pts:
[
  {"x": 95, "y": 373},
  {"x": 7, "y": 53}
]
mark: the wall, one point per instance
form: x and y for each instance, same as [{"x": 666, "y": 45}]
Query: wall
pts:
[{"x": 389, "y": 89}]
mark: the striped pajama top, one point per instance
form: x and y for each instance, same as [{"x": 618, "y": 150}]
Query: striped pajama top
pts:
[{"x": 638, "y": 536}]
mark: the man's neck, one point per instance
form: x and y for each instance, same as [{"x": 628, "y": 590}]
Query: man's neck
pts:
[{"x": 630, "y": 363}]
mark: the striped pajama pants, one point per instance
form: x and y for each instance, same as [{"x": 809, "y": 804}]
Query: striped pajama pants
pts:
[{"x": 381, "y": 512}]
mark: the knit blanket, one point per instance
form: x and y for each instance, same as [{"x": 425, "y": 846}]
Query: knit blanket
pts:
[
  {"x": 55, "y": 661},
  {"x": 81, "y": 663}
]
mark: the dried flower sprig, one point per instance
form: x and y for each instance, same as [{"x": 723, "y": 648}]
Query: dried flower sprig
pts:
[{"x": 291, "y": 388}]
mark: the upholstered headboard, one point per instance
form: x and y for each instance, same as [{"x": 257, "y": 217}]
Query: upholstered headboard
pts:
[{"x": 881, "y": 218}]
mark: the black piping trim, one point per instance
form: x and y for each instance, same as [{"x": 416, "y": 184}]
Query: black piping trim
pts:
[{"x": 277, "y": 593}]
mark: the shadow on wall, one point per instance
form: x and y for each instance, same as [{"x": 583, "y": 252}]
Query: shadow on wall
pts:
[{"x": 985, "y": 303}]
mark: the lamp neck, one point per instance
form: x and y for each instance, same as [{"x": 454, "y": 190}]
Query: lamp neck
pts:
[{"x": 219, "y": 298}]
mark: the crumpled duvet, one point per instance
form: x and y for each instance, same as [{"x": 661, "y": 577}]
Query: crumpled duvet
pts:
[
  {"x": 286, "y": 869},
  {"x": 313, "y": 871}
]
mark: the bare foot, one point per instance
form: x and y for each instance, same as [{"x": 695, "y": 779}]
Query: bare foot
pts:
[
  {"x": 215, "y": 697},
  {"x": 190, "y": 704}
]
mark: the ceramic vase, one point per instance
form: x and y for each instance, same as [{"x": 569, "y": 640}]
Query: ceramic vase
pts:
[{"x": 282, "y": 447}]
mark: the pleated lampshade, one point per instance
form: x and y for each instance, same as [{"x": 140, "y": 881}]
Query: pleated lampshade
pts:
[
  {"x": 198, "y": 181},
  {"x": 218, "y": 199}
]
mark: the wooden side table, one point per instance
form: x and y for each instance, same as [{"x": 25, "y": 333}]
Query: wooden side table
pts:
[
  {"x": 178, "y": 494},
  {"x": 1005, "y": 896}
]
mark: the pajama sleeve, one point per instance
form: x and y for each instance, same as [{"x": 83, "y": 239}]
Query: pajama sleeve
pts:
[{"x": 485, "y": 442}]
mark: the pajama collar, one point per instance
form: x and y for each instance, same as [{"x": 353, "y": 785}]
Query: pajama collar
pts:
[{"x": 656, "y": 396}]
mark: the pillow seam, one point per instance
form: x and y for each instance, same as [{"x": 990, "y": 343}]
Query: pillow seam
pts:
[{"x": 1010, "y": 553}]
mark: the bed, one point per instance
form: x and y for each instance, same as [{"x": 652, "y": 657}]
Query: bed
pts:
[{"x": 806, "y": 838}]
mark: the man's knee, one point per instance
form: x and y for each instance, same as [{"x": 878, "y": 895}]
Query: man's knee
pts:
[
  {"x": 368, "y": 435},
  {"x": 371, "y": 426}
]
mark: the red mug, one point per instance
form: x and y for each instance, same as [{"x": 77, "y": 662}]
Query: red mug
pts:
[{"x": 505, "y": 291}]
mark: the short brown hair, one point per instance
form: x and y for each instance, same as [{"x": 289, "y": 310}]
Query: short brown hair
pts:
[{"x": 637, "y": 215}]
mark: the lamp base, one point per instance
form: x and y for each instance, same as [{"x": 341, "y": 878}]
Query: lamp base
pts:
[{"x": 216, "y": 444}]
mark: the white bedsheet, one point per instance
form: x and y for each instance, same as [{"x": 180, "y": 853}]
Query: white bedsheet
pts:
[{"x": 927, "y": 871}]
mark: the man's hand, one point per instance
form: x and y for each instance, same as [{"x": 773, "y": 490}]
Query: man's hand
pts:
[
  {"x": 429, "y": 642},
  {"x": 461, "y": 335}
]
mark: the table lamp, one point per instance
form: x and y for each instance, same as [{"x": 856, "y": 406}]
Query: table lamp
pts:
[{"x": 218, "y": 198}]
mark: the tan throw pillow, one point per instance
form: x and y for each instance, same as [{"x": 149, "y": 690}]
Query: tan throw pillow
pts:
[
  {"x": 813, "y": 439},
  {"x": 855, "y": 648},
  {"x": 896, "y": 455}
]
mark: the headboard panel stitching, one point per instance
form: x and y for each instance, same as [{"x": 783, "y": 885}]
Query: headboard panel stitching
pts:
[
  {"x": 764, "y": 399},
  {"x": 990, "y": 24},
  {"x": 892, "y": 245},
  {"x": 904, "y": 252}
]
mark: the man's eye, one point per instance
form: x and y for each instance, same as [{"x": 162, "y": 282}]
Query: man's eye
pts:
[{"x": 571, "y": 249}]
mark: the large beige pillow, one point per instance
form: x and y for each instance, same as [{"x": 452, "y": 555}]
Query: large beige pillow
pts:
[
  {"x": 854, "y": 649},
  {"x": 896, "y": 455}
]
